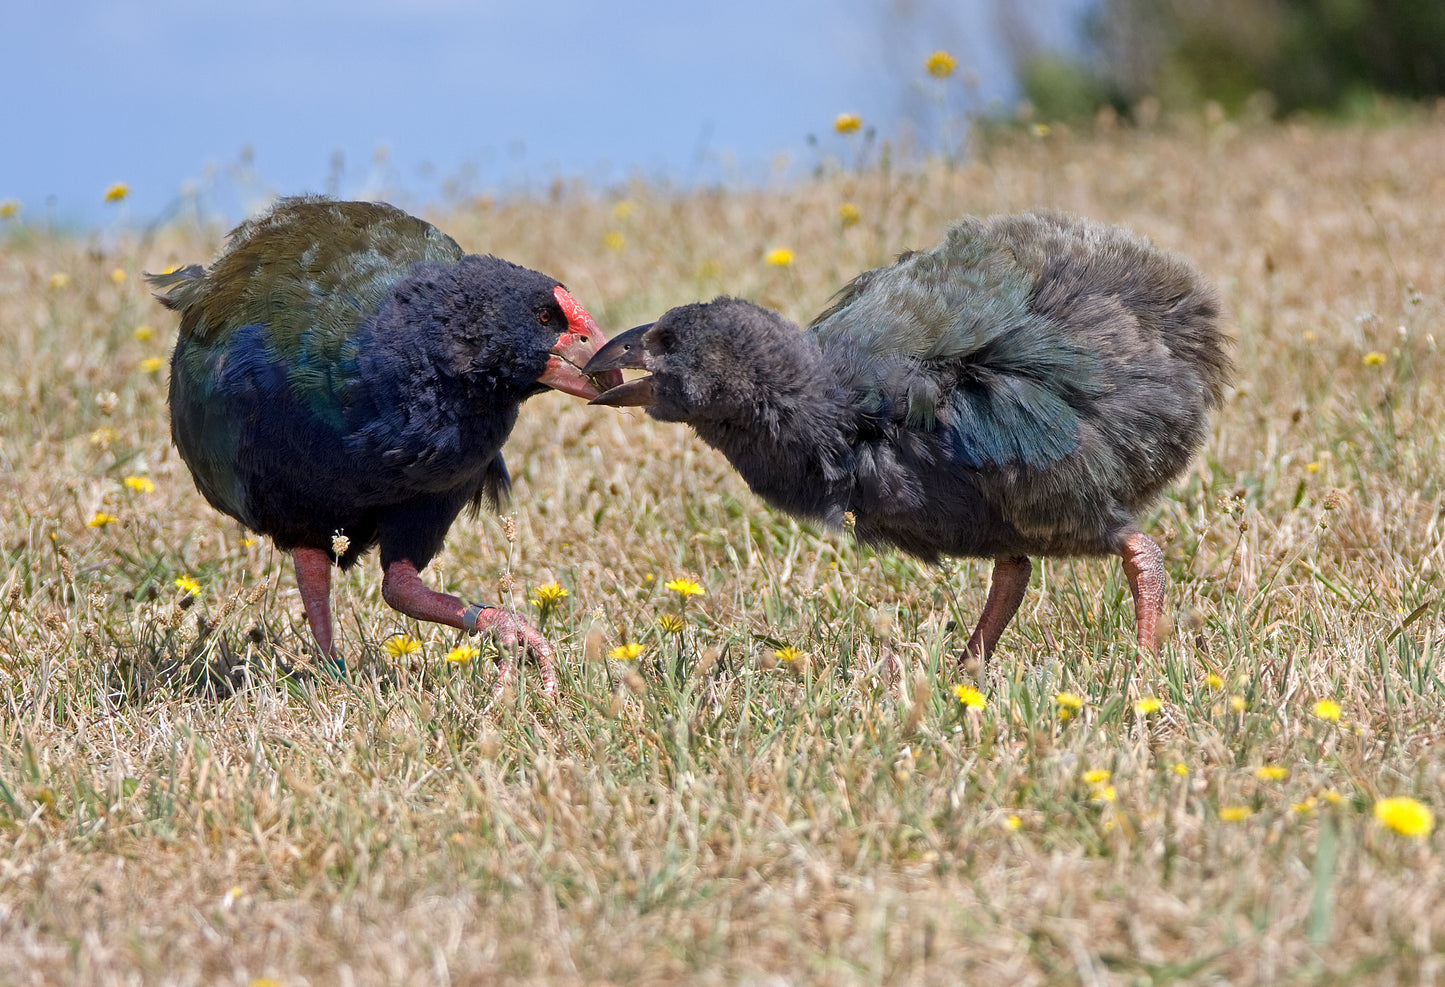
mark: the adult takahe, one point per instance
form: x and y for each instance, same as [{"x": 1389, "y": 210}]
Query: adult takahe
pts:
[
  {"x": 1027, "y": 387},
  {"x": 345, "y": 376}
]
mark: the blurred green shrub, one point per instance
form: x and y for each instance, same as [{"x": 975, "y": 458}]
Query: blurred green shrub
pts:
[{"x": 1335, "y": 56}]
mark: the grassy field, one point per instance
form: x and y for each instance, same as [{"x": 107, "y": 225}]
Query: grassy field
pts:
[{"x": 175, "y": 807}]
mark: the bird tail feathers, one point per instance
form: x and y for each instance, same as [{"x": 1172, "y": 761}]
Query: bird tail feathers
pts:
[{"x": 177, "y": 289}]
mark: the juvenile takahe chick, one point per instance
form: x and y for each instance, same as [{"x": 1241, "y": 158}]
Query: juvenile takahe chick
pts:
[
  {"x": 1027, "y": 387},
  {"x": 346, "y": 375}
]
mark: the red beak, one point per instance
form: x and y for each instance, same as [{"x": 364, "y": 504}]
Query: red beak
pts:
[{"x": 574, "y": 348}]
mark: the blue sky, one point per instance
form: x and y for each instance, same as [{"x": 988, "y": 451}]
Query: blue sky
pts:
[{"x": 239, "y": 102}]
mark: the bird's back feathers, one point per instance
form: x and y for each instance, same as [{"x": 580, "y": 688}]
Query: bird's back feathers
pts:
[
  {"x": 1005, "y": 331},
  {"x": 310, "y": 271},
  {"x": 308, "y": 267}
]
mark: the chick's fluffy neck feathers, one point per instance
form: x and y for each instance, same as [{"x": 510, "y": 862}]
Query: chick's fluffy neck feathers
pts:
[{"x": 788, "y": 419}]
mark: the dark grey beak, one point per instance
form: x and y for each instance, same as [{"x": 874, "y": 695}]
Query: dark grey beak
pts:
[{"x": 624, "y": 352}]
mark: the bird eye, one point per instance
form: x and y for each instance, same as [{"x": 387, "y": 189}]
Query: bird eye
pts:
[{"x": 544, "y": 316}]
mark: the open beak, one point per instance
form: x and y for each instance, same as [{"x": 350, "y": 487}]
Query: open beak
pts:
[
  {"x": 623, "y": 353},
  {"x": 566, "y": 367}
]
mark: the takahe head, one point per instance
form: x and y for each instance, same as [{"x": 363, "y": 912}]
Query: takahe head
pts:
[
  {"x": 710, "y": 361},
  {"x": 501, "y": 325}
]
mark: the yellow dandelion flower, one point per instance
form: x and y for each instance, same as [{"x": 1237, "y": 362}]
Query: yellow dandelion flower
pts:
[
  {"x": 1179, "y": 768},
  {"x": 1313, "y": 467},
  {"x": 188, "y": 586},
  {"x": 1331, "y": 796},
  {"x": 462, "y": 654},
  {"x": 1327, "y": 709},
  {"x": 101, "y": 519},
  {"x": 1041, "y": 130},
  {"x": 152, "y": 364},
  {"x": 549, "y": 594},
  {"x": 941, "y": 64},
  {"x": 789, "y": 653},
  {"x": 118, "y": 276},
  {"x": 142, "y": 333},
  {"x": 1148, "y": 706},
  {"x": 117, "y": 192},
  {"x": 847, "y": 123},
  {"x": 401, "y": 645},
  {"x": 671, "y": 623},
  {"x": 1068, "y": 703},
  {"x": 683, "y": 587},
  {"x": 1214, "y": 681},
  {"x": 1238, "y": 704},
  {"x": 1405, "y": 816},
  {"x": 625, "y": 652},
  {"x": 1307, "y": 806},
  {"x": 1374, "y": 358},
  {"x": 1106, "y": 794},
  {"x": 59, "y": 280},
  {"x": 1234, "y": 813},
  {"x": 848, "y": 214},
  {"x": 8, "y": 208},
  {"x": 102, "y": 436},
  {"x": 139, "y": 484},
  {"x": 1013, "y": 822},
  {"x": 622, "y": 208},
  {"x": 247, "y": 542},
  {"x": 613, "y": 240},
  {"x": 1271, "y": 772},
  {"x": 1096, "y": 777},
  {"x": 779, "y": 257},
  {"x": 264, "y": 982},
  {"x": 969, "y": 697}
]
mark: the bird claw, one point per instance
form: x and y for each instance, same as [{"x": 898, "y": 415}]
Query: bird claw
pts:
[{"x": 512, "y": 632}]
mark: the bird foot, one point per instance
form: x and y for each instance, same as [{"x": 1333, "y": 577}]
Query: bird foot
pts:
[
  {"x": 403, "y": 590},
  {"x": 514, "y": 634}
]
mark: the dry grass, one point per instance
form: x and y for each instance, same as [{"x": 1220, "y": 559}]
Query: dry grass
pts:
[{"x": 709, "y": 813}]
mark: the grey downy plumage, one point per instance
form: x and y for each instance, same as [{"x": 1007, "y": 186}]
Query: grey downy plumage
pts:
[{"x": 1027, "y": 387}]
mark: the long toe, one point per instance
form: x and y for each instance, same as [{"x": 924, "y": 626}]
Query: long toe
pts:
[{"x": 506, "y": 676}]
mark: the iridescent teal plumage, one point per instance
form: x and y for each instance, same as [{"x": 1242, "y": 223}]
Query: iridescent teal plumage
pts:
[
  {"x": 311, "y": 271},
  {"x": 344, "y": 369}
]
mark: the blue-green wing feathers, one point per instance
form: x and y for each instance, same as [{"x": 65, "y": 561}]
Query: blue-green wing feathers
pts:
[
  {"x": 309, "y": 273},
  {"x": 950, "y": 339}
]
